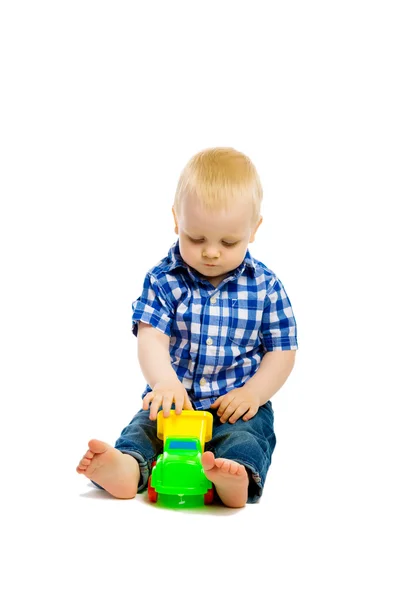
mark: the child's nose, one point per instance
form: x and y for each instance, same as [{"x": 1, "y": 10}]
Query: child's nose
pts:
[{"x": 211, "y": 253}]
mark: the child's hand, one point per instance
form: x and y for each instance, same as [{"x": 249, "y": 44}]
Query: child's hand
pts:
[
  {"x": 164, "y": 394},
  {"x": 235, "y": 404}
]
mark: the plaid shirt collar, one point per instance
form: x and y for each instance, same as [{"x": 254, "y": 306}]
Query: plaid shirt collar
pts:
[{"x": 176, "y": 261}]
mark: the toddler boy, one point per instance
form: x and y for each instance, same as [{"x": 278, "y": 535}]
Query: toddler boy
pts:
[{"x": 215, "y": 332}]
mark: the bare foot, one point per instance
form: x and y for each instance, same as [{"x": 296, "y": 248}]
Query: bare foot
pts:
[
  {"x": 229, "y": 477},
  {"x": 116, "y": 472}
]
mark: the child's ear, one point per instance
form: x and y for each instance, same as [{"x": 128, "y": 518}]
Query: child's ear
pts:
[
  {"x": 176, "y": 220},
  {"x": 253, "y": 235}
]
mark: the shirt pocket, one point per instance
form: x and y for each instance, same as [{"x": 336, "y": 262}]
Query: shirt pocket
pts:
[{"x": 245, "y": 319}]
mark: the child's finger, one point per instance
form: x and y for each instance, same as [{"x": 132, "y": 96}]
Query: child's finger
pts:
[
  {"x": 250, "y": 413},
  {"x": 147, "y": 399},
  {"x": 224, "y": 404},
  {"x": 227, "y": 408},
  {"x": 239, "y": 412},
  {"x": 155, "y": 405},
  {"x": 179, "y": 403},
  {"x": 182, "y": 403},
  {"x": 217, "y": 402},
  {"x": 228, "y": 412},
  {"x": 167, "y": 401},
  {"x": 187, "y": 405}
]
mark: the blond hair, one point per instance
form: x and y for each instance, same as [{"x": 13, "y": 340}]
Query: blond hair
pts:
[{"x": 218, "y": 178}]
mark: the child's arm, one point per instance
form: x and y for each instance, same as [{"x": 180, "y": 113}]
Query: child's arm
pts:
[
  {"x": 272, "y": 373},
  {"x": 153, "y": 353},
  {"x": 155, "y": 362}
]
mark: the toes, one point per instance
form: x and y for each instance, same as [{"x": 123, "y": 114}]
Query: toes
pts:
[
  {"x": 208, "y": 461},
  {"x": 98, "y": 447},
  {"x": 229, "y": 466},
  {"x": 239, "y": 469},
  {"x": 84, "y": 463},
  {"x": 226, "y": 466},
  {"x": 234, "y": 468}
]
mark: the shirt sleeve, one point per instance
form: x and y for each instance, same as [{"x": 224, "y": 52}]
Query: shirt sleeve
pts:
[
  {"x": 279, "y": 330},
  {"x": 152, "y": 307}
]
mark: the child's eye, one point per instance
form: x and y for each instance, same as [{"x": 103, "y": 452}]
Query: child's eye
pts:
[{"x": 201, "y": 240}]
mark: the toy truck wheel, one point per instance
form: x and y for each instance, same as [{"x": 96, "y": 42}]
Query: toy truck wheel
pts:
[
  {"x": 209, "y": 496},
  {"x": 153, "y": 495}
]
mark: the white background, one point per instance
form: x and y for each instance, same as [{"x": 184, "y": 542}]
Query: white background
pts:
[{"x": 102, "y": 104}]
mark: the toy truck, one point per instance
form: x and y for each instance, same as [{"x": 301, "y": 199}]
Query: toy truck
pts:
[{"x": 178, "y": 471}]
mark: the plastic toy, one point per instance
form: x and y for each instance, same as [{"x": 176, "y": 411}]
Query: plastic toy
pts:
[{"x": 178, "y": 475}]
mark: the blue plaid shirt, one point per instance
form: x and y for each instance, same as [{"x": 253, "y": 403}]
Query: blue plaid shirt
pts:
[{"x": 218, "y": 336}]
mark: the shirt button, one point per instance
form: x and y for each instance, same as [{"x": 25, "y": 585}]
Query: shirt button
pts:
[
  {"x": 213, "y": 300},
  {"x": 203, "y": 381},
  {"x": 209, "y": 341}
]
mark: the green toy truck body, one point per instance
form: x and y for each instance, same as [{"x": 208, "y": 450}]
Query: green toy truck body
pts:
[{"x": 179, "y": 470}]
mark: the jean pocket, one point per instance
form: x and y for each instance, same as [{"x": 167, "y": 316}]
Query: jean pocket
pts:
[{"x": 245, "y": 319}]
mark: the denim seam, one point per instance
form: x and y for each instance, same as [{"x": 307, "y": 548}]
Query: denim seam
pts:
[
  {"x": 143, "y": 466},
  {"x": 252, "y": 469},
  {"x": 259, "y": 484}
]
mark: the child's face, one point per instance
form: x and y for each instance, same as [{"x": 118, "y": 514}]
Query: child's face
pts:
[{"x": 214, "y": 243}]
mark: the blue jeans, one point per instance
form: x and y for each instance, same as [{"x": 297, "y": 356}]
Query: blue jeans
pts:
[{"x": 250, "y": 443}]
